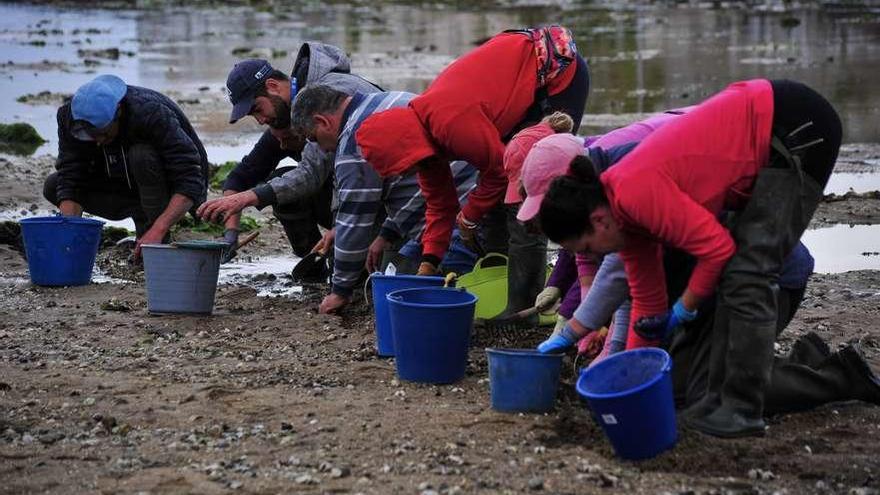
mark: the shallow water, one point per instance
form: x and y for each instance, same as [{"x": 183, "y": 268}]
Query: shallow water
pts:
[
  {"x": 643, "y": 58},
  {"x": 842, "y": 182},
  {"x": 15, "y": 215},
  {"x": 269, "y": 275},
  {"x": 842, "y": 248}
]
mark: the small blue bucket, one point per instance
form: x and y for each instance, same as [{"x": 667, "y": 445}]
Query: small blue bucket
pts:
[
  {"x": 61, "y": 250},
  {"x": 181, "y": 279},
  {"x": 523, "y": 380},
  {"x": 630, "y": 395},
  {"x": 382, "y": 285},
  {"x": 432, "y": 332}
]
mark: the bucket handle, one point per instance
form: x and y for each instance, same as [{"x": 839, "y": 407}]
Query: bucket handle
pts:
[
  {"x": 479, "y": 264},
  {"x": 366, "y": 293}
]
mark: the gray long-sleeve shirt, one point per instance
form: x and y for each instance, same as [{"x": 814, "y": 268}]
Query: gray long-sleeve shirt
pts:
[
  {"x": 326, "y": 65},
  {"x": 362, "y": 193},
  {"x": 608, "y": 295}
]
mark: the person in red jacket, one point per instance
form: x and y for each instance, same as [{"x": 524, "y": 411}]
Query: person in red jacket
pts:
[
  {"x": 763, "y": 149},
  {"x": 467, "y": 113}
]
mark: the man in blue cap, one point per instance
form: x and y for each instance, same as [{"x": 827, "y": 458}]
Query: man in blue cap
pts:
[
  {"x": 300, "y": 196},
  {"x": 127, "y": 152}
]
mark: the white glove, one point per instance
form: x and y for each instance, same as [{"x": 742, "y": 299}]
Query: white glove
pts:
[
  {"x": 561, "y": 321},
  {"x": 547, "y": 298}
]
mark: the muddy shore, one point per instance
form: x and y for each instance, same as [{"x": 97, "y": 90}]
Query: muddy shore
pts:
[
  {"x": 97, "y": 396},
  {"x": 266, "y": 395}
]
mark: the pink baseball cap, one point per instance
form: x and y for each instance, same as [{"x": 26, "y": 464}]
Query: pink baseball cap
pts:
[
  {"x": 548, "y": 159},
  {"x": 515, "y": 154}
]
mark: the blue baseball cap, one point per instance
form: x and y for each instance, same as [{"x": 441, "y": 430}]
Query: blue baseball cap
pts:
[
  {"x": 94, "y": 105},
  {"x": 244, "y": 80}
]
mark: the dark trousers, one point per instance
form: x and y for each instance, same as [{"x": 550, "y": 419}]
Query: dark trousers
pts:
[
  {"x": 743, "y": 374},
  {"x": 112, "y": 198},
  {"x": 301, "y": 219},
  {"x": 501, "y": 232},
  {"x": 690, "y": 347}
]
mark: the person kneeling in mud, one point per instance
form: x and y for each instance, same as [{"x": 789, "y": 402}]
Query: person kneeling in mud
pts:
[
  {"x": 761, "y": 149},
  {"x": 332, "y": 119},
  {"x": 127, "y": 152},
  {"x": 301, "y": 195}
]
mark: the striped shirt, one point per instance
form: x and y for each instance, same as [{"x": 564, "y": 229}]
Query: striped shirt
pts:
[{"x": 362, "y": 194}]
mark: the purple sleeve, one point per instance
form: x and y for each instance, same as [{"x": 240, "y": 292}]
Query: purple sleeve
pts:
[
  {"x": 637, "y": 131},
  {"x": 570, "y": 301},
  {"x": 564, "y": 272}
]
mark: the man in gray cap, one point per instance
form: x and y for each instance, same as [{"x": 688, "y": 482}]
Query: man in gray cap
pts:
[
  {"x": 127, "y": 152},
  {"x": 300, "y": 196}
]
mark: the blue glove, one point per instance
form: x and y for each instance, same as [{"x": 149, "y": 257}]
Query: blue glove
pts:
[
  {"x": 230, "y": 236},
  {"x": 661, "y": 326},
  {"x": 679, "y": 316},
  {"x": 559, "y": 342}
]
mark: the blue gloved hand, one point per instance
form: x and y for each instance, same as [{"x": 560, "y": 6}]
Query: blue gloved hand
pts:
[
  {"x": 559, "y": 342},
  {"x": 679, "y": 316},
  {"x": 230, "y": 236},
  {"x": 661, "y": 326}
]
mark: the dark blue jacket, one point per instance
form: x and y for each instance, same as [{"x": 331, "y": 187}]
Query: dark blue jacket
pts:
[{"x": 148, "y": 117}]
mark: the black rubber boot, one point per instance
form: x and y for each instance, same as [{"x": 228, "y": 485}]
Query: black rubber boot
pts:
[
  {"x": 526, "y": 273},
  {"x": 526, "y": 266},
  {"x": 865, "y": 384},
  {"x": 810, "y": 349},
  {"x": 711, "y": 397},
  {"x": 748, "y": 363},
  {"x": 798, "y": 386}
]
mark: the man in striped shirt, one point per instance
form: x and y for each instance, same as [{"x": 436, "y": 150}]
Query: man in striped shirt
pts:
[{"x": 331, "y": 118}]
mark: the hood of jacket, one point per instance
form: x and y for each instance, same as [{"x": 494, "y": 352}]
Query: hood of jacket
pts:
[
  {"x": 315, "y": 60},
  {"x": 320, "y": 63}
]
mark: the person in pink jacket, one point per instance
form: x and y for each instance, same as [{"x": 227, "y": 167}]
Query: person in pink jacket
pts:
[
  {"x": 548, "y": 161},
  {"x": 762, "y": 149}
]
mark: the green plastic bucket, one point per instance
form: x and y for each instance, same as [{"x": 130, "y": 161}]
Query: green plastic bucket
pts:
[{"x": 489, "y": 284}]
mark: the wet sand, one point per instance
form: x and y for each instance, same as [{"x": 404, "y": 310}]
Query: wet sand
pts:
[{"x": 267, "y": 396}]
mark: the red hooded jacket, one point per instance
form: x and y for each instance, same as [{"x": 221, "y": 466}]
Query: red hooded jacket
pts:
[
  {"x": 670, "y": 189},
  {"x": 463, "y": 115}
]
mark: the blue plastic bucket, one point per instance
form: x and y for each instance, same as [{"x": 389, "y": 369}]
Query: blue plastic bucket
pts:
[
  {"x": 432, "y": 331},
  {"x": 523, "y": 380},
  {"x": 61, "y": 250},
  {"x": 180, "y": 279},
  {"x": 630, "y": 395},
  {"x": 382, "y": 285}
]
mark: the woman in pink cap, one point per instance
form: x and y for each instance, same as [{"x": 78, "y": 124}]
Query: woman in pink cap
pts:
[
  {"x": 763, "y": 149},
  {"x": 527, "y": 249},
  {"x": 547, "y": 160}
]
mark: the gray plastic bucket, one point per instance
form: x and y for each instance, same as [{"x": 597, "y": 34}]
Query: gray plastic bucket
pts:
[{"x": 180, "y": 280}]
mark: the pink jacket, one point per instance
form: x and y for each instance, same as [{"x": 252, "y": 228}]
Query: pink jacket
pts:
[{"x": 671, "y": 187}]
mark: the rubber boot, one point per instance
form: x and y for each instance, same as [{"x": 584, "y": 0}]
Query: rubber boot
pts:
[
  {"x": 526, "y": 267},
  {"x": 711, "y": 397},
  {"x": 526, "y": 273},
  {"x": 810, "y": 350},
  {"x": 796, "y": 386},
  {"x": 748, "y": 365},
  {"x": 865, "y": 384}
]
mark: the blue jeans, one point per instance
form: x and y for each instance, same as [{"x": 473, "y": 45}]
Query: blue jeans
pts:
[{"x": 458, "y": 258}]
